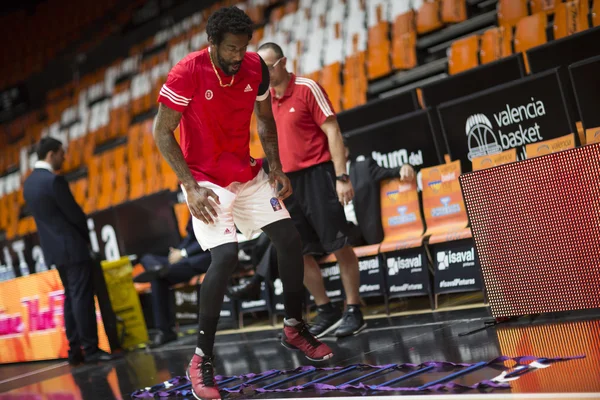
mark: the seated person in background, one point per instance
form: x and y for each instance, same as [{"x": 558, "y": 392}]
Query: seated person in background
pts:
[
  {"x": 363, "y": 213},
  {"x": 264, "y": 259},
  {"x": 181, "y": 265}
]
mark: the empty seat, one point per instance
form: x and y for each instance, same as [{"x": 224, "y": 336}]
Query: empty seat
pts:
[
  {"x": 511, "y": 11},
  {"x": 454, "y": 11},
  {"x": 330, "y": 80},
  {"x": 404, "y": 36},
  {"x": 596, "y": 13},
  {"x": 378, "y": 56},
  {"x": 496, "y": 43},
  {"x": 530, "y": 32},
  {"x": 546, "y": 6},
  {"x": 429, "y": 17},
  {"x": 463, "y": 54},
  {"x": 571, "y": 17}
]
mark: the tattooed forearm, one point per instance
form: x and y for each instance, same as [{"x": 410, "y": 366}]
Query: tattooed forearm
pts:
[
  {"x": 267, "y": 132},
  {"x": 268, "y": 138},
  {"x": 165, "y": 123}
]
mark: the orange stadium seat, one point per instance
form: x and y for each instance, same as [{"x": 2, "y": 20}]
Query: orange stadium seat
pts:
[
  {"x": 546, "y": 6},
  {"x": 454, "y": 11},
  {"x": 530, "y": 32},
  {"x": 404, "y": 41},
  {"x": 378, "y": 58},
  {"x": 107, "y": 183},
  {"x": 330, "y": 80},
  {"x": 596, "y": 13},
  {"x": 463, "y": 54},
  {"x": 495, "y": 44},
  {"x": 120, "y": 112},
  {"x": 355, "y": 78},
  {"x": 120, "y": 191},
  {"x": 182, "y": 212},
  {"x": 511, "y": 11},
  {"x": 136, "y": 178},
  {"x": 429, "y": 17},
  {"x": 571, "y": 17}
]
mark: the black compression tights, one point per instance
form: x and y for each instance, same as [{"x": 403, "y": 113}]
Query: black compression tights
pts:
[{"x": 288, "y": 244}]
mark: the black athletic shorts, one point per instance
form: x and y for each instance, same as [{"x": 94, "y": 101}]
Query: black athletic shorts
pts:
[{"x": 316, "y": 210}]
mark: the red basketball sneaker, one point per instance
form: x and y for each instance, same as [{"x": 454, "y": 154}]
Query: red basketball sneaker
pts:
[
  {"x": 200, "y": 373},
  {"x": 299, "y": 338}
]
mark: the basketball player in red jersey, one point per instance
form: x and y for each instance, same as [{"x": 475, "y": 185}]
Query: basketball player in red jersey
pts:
[{"x": 211, "y": 94}]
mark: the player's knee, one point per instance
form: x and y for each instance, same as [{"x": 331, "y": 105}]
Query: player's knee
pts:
[
  {"x": 225, "y": 255},
  {"x": 285, "y": 237}
]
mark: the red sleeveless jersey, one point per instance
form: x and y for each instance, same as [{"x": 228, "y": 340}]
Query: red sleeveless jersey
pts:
[{"x": 215, "y": 122}]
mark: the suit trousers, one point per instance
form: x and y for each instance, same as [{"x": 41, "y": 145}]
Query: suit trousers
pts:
[{"x": 79, "y": 310}]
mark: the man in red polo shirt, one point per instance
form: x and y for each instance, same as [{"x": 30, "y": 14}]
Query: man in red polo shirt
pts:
[
  {"x": 212, "y": 93},
  {"x": 314, "y": 158}
]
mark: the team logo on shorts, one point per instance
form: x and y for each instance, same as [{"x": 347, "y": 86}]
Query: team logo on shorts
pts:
[
  {"x": 275, "y": 204},
  {"x": 208, "y": 94},
  {"x": 252, "y": 162}
]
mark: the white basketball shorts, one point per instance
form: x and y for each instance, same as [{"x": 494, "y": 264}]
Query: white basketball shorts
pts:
[{"x": 250, "y": 206}]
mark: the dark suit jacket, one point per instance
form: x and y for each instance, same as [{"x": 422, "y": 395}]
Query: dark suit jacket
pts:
[
  {"x": 366, "y": 177},
  {"x": 61, "y": 223}
]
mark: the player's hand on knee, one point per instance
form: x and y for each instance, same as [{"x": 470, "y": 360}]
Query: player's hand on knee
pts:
[
  {"x": 345, "y": 192},
  {"x": 277, "y": 176},
  {"x": 201, "y": 202}
]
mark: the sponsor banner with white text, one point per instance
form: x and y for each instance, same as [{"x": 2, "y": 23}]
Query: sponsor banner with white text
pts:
[
  {"x": 456, "y": 267},
  {"x": 509, "y": 116}
]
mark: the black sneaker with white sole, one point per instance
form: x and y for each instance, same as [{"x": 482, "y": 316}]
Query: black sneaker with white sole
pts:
[
  {"x": 328, "y": 319},
  {"x": 352, "y": 322}
]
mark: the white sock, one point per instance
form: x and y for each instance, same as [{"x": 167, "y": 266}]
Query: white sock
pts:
[
  {"x": 199, "y": 352},
  {"x": 290, "y": 322}
]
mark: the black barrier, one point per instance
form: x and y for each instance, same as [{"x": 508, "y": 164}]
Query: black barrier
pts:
[
  {"x": 456, "y": 267},
  {"x": 586, "y": 82},
  {"x": 372, "y": 280},
  {"x": 333, "y": 283},
  {"x": 391, "y": 143},
  {"x": 561, "y": 53},
  {"x": 474, "y": 80},
  {"x": 509, "y": 116},
  {"x": 378, "y": 110},
  {"x": 278, "y": 305},
  {"x": 264, "y": 303},
  {"x": 186, "y": 304},
  {"x": 146, "y": 225},
  {"x": 407, "y": 273},
  {"x": 229, "y": 312}
]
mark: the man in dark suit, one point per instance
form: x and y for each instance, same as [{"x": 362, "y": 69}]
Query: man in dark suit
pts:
[
  {"x": 182, "y": 264},
  {"x": 65, "y": 241},
  {"x": 364, "y": 211}
]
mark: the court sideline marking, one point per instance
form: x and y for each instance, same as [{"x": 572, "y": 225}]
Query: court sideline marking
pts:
[{"x": 37, "y": 371}]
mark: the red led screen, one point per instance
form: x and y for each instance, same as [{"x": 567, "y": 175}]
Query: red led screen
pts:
[{"x": 536, "y": 226}]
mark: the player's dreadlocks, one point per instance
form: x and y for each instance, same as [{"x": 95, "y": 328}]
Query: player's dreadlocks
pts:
[{"x": 228, "y": 20}]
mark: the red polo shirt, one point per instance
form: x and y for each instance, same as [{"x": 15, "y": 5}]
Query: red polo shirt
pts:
[{"x": 299, "y": 115}]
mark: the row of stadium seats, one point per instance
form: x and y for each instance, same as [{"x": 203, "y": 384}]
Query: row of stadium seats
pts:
[
  {"x": 38, "y": 37},
  {"x": 104, "y": 116},
  {"x": 519, "y": 31}
]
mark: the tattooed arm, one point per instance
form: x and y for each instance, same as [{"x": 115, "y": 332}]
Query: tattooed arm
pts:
[
  {"x": 267, "y": 132},
  {"x": 165, "y": 123}
]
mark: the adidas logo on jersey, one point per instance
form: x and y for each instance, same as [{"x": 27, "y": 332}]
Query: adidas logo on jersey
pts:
[
  {"x": 248, "y": 88},
  {"x": 292, "y": 109}
]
